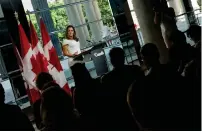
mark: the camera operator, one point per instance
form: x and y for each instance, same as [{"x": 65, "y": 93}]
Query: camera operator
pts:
[{"x": 165, "y": 17}]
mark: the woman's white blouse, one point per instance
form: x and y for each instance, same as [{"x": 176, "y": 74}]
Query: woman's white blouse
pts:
[{"x": 73, "y": 46}]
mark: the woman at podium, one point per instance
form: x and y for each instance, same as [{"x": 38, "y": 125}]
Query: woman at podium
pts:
[{"x": 71, "y": 45}]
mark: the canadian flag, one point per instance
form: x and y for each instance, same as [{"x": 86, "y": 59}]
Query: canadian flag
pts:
[
  {"x": 38, "y": 50},
  {"x": 55, "y": 68},
  {"x": 30, "y": 66}
]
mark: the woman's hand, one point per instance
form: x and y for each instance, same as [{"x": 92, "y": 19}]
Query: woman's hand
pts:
[
  {"x": 65, "y": 50},
  {"x": 76, "y": 53}
]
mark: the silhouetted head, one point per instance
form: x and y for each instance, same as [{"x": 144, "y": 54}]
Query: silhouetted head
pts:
[
  {"x": 178, "y": 38},
  {"x": 56, "y": 106},
  {"x": 2, "y": 95},
  {"x": 117, "y": 57},
  {"x": 42, "y": 79},
  {"x": 170, "y": 12},
  {"x": 80, "y": 74},
  {"x": 71, "y": 33},
  {"x": 150, "y": 55},
  {"x": 56, "y": 96},
  {"x": 194, "y": 32}
]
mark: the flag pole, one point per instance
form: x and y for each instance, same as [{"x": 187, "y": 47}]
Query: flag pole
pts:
[
  {"x": 17, "y": 17},
  {"x": 28, "y": 12}
]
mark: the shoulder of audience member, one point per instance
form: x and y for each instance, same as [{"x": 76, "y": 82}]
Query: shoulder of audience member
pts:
[
  {"x": 53, "y": 88},
  {"x": 190, "y": 67},
  {"x": 50, "y": 84},
  {"x": 137, "y": 86},
  {"x": 13, "y": 108},
  {"x": 106, "y": 76},
  {"x": 23, "y": 121},
  {"x": 37, "y": 102},
  {"x": 96, "y": 82},
  {"x": 135, "y": 69},
  {"x": 132, "y": 67},
  {"x": 36, "y": 105}
]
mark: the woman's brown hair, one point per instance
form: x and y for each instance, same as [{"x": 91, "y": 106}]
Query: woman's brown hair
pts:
[{"x": 74, "y": 36}]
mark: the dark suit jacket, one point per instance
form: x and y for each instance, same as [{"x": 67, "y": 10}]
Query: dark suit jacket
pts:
[
  {"x": 37, "y": 115},
  {"x": 162, "y": 101},
  {"x": 13, "y": 119},
  {"x": 115, "y": 86}
]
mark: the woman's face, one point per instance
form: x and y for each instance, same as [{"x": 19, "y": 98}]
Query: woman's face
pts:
[{"x": 70, "y": 32}]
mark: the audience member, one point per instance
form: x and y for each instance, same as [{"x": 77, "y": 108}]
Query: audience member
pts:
[
  {"x": 58, "y": 112},
  {"x": 85, "y": 94},
  {"x": 11, "y": 116},
  {"x": 42, "y": 79},
  {"x": 192, "y": 74},
  {"x": 159, "y": 102},
  {"x": 180, "y": 52},
  {"x": 193, "y": 69},
  {"x": 194, "y": 32},
  {"x": 166, "y": 19},
  {"x": 150, "y": 57},
  {"x": 115, "y": 84}
]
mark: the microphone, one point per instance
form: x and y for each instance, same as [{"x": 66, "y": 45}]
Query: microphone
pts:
[{"x": 88, "y": 41}]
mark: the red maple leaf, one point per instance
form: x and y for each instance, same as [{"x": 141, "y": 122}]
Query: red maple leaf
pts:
[
  {"x": 35, "y": 67},
  {"x": 42, "y": 61},
  {"x": 54, "y": 60}
]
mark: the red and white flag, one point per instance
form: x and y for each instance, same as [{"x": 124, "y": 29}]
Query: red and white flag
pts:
[
  {"x": 30, "y": 65},
  {"x": 38, "y": 50},
  {"x": 55, "y": 68}
]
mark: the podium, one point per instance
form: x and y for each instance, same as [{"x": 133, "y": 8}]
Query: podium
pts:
[{"x": 98, "y": 57}]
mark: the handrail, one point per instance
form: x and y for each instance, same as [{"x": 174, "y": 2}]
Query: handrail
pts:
[
  {"x": 188, "y": 12},
  {"x": 76, "y": 26},
  {"x": 56, "y": 7}
]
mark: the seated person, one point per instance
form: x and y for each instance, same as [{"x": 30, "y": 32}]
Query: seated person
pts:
[
  {"x": 161, "y": 99},
  {"x": 42, "y": 80},
  {"x": 194, "y": 32},
  {"x": 58, "y": 113},
  {"x": 115, "y": 85},
  {"x": 11, "y": 116},
  {"x": 85, "y": 95}
]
